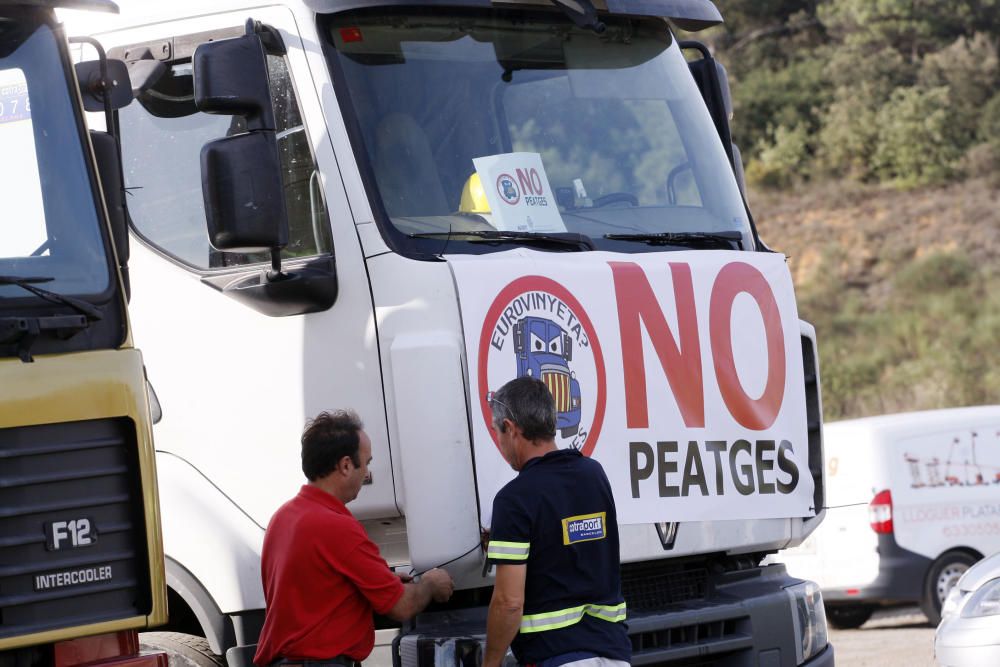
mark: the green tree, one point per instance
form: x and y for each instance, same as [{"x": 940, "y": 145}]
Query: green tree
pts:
[
  {"x": 788, "y": 97},
  {"x": 911, "y": 27},
  {"x": 919, "y": 138},
  {"x": 970, "y": 68},
  {"x": 849, "y": 135}
]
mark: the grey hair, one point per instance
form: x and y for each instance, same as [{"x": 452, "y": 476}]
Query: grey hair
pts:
[{"x": 528, "y": 403}]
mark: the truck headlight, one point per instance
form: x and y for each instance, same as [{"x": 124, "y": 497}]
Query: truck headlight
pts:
[
  {"x": 952, "y": 602},
  {"x": 809, "y": 619},
  {"x": 429, "y": 651},
  {"x": 984, "y": 602}
]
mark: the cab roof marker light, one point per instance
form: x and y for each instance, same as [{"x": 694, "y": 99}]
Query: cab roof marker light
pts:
[{"x": 352, "y": 34}]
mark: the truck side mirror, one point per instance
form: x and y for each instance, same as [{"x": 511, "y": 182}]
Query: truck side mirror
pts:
[
  {"x": 104, "y": 82},
  {"x": 241, "y": 174},
  {"x": 105, "y": 86},
  {"x": 727, "y": 96},
  {"x": 230, "y": 78},
  {"x": 519, "y": 337},
  {"x": 241, "y": 177},
  {"x": 741, "y": 178},
  {"x": 109, "y": 169},
  {"x": 713, "y": 82},
  {"x": 244, "y": 198}
]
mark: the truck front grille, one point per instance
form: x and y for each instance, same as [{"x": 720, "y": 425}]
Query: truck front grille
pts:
[
  {"x": 654, "y": 585},
  {"x": 708, "y": 643},
  {"x": 72, "y": 527},
  {"x": 558, "y": 384}
]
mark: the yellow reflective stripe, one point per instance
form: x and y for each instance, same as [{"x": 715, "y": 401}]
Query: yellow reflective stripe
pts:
[
  {"x": 508, "y": 550},
  {"x": 612, "y": 613},
  {"x": 554, "y": 620}
]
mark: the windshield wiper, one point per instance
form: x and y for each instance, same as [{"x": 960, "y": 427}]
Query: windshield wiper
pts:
[
  {"x": 568, "y": 239},
  {"x": 29, "y": 284},
  {"x": 704, "y": 240}
]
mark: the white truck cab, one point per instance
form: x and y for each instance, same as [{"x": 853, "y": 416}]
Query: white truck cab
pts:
[{"x": 398, "y": 207}]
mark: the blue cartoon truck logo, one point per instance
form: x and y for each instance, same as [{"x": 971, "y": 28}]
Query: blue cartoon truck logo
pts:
[{"x": 544, "y": 350}]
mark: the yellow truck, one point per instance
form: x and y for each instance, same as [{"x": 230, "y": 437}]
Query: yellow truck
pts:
[{"x": 81, "y": 556}]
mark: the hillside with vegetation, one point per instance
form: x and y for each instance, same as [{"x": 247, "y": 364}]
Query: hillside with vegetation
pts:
[{"x": 870, "y": 130}]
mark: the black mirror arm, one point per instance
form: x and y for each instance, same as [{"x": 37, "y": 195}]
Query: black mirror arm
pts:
[
  {"x": 270, "y": 38},
  {"x": 103, "y": 85},
  {"x": 276, "y": 274},
  {"x": 274, "y": 45}
]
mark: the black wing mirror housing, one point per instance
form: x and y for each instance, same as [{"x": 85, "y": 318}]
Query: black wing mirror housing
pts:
[
  {"x": 241, "y": 174},
  {"x": 108, "y": 156},
  {"x": 713, "y": 83},
  {"x": 244, "y": 201},
  {"x": 241, "y": 179},
  {"x": 230, "y": 78},
  {"x": 95, "y": 84}
]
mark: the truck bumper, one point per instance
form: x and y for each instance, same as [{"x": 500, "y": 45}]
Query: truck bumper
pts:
[
  {"x": 734, "y": 619},
  {"x": 824, "y": 659}
]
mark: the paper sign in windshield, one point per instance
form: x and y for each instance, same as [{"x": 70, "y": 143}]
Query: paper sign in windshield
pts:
[{"x": 519, "y": 193}]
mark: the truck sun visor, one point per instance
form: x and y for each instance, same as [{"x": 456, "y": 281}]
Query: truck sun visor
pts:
[{"x": 691, "y": 15}]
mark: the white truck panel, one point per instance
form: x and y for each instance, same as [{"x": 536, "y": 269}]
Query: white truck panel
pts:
[
  {"x": 433, "y": 442},
  {"x": 209, "y": 535}
]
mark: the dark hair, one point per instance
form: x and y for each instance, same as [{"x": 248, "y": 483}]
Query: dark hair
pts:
[
  {"x": 528, "y": 403},
  {"x": 329, "y": 438}
]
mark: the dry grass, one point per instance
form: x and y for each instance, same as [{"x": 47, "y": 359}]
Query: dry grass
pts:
[{"x": 903, "y": 287}]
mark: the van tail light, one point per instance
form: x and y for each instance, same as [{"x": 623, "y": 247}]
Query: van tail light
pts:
[{"x": 880, "y": 512}]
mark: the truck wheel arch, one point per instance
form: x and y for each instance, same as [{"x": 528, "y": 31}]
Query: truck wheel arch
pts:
[{"x": 216, "y": 627}]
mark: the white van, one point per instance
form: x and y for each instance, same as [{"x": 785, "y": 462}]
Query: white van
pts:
[{"x": 913, "y": 500}]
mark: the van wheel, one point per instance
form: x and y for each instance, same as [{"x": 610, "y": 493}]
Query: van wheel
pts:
[
  {"x": 848, "y": 616},
  {"x": 182, "y": 650},
  {"x": 941, "y": 578}
]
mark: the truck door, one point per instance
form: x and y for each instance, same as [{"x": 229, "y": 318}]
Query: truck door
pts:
[{"x": 237, "y": 378}]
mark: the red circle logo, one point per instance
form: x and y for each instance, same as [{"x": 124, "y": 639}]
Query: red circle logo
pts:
[{"x": 535, "y": 327}]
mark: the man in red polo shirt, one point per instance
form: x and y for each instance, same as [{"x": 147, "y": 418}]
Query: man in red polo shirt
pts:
[{"x": 323, "y": 577}]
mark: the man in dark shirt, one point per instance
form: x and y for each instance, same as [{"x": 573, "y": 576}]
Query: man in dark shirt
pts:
[
  {"x": 554, "y": 540},
  {"x": 323, "y": 577}
]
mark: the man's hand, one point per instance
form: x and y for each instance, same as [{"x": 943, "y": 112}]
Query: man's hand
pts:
[
  {"x": 441, "y": 584},
  {"x": 434, "y": 585},
  {"x": 404, "y": 577}
]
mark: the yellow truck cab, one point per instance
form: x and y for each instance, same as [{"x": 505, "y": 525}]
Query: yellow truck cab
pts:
[{"x": 81, "y": 557}]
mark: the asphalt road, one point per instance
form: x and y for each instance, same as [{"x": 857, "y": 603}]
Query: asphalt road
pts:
[{"x": 892, "y": 638}]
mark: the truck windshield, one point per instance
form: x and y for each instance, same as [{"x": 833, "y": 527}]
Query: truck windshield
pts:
[
  {"x": 50, "y": 224},
  {"x": 519, "y": 122}
]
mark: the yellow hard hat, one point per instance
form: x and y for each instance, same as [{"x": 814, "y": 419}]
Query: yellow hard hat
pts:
[{"x": 474, "y": 197}]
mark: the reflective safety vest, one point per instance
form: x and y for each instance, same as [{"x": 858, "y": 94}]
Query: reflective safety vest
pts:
[
  {"x": 557, "y": 518},
  {"x": 553, "y": 620}
]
